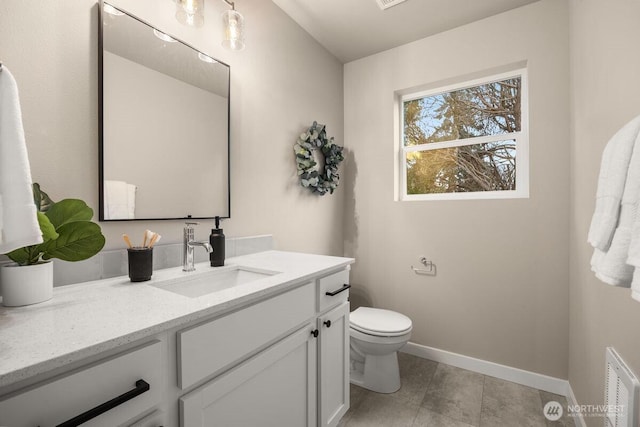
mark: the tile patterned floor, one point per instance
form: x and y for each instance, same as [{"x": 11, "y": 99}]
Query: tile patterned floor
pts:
[{"x": 438, "y": 395}]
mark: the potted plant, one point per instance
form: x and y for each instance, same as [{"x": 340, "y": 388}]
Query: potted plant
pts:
[{"x": 68, "y": 234}]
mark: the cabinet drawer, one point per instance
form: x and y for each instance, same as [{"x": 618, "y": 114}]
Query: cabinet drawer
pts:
[
  {"x": 207, "y": 349},
  {"x": 331, "y": 284},
  {"x": 64, "y": 398}
]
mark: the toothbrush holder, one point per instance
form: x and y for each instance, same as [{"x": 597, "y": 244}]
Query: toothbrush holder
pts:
[{"x": 140, "y": 264}]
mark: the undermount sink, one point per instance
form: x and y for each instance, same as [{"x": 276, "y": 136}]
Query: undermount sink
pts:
[{"x": 196, "y": 284}]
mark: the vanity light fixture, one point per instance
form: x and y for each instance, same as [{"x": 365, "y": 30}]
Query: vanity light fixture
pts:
[
  {"x": 162, "y": 36},
  {"x": 112, "y": 10},
  {"x": 233, "y": 28},
  {"x": 206, "y": 58},
  {"x": 190, "y": 12}
]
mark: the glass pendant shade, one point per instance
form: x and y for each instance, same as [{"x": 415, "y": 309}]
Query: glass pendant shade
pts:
[
  {"x": 233, "y": 30},
  {"x": 190, "y": 12}
]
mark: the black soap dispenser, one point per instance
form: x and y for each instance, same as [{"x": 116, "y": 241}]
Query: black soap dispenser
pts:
[{"x": 216, "y": 239}]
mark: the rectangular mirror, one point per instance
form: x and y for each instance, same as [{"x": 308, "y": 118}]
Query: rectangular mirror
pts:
[{"x": 164, "y": 125}]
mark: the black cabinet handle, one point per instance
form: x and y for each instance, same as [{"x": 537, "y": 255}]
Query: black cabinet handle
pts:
[
  {"x": 315, "y": 333},
  {"x": 342, "y": 289},
  {"x": 141, "y": 387},
  {"x": 327, "y": 323}
]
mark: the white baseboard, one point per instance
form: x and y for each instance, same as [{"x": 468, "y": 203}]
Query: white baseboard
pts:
[
  {"x": 571, "y": 400},
  {"x": 519, "y": 376}
]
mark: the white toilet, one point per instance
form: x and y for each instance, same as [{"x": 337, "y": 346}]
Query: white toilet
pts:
[{"x": 376, "y": 336}]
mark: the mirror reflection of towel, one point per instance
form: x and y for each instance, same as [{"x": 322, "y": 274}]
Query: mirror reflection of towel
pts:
[{"x": 119, "y": 200}]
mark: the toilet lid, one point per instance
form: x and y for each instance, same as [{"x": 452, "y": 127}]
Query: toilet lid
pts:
[{"x": 376, "y": 321}]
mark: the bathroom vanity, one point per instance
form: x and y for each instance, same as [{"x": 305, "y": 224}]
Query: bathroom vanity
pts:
[{"x": 263, "y": 341}]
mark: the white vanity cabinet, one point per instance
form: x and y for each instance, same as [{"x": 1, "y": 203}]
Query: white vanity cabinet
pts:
[
  {"x": 300, "y": 380},
  {"x": 273, "y": 352},
  {"x": 136, "y": 378}
]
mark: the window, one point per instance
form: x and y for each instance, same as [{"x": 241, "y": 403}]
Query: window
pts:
[{"x": 467, "y": 141}]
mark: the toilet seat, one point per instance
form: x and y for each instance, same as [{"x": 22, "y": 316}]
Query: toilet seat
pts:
[
  {"x": 379, "y": 322},
  {"x": 377, "y": 339}
]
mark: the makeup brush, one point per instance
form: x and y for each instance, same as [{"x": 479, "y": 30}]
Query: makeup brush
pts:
[
  {"x": 145, "y": 238},
  {"x": 127, "y": 240},
  {"x": 156, "y": 238}
]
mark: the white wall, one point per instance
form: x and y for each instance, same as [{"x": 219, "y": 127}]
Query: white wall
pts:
[
  {"x": 605, "y": 67},
  {"x": 280, "y": 84},
  {"x": 501, "y": 293}
]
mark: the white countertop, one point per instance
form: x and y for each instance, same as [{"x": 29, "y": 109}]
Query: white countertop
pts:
[{"x": 89, "y": 318}]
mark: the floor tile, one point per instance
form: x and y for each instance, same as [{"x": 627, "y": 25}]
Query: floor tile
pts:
[
  {"x": 509, "y": 404},
  {"x": 455, "y": 393},
  {"x": 379, "y": 410},
  {"x": 428, "y": 418},
  {"x": 450, "y": 397},
  {"x": 566, "y": 420},
  {"x": 357, "y": 395},
  {"x": 416, "y": 374}
]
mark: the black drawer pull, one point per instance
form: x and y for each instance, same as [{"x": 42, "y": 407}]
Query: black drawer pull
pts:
[
  {"x": 141, "y": 387},
  {"x": 342, "y": 289},
  {"x": 315, "y": 333},
  {"x": 327, "y": 323}
]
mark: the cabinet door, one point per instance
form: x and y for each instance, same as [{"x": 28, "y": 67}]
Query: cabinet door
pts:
[
  {"x": 275, "y": 388},
  {"x": 333, "y": 366}
]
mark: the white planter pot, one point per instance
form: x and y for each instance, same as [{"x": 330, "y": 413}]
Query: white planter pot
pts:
[{"x": 29, "y": 284}]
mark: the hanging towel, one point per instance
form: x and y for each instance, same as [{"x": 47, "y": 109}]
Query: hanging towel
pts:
[
  {"x": 611, "y": 266},
  {"x": 634, "y": 253},
  {"x": 611, "y": 183},
  {"x": 119, "y": 200},
  {"x": 18, "y": 216},
  {"x": 635, "y": 285}
]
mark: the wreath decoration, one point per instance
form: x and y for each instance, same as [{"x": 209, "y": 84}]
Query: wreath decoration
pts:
[{"x": 315, "y": 138}]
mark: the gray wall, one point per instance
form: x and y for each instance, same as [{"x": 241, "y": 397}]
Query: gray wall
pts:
[
  {"x": 280, "y": 84},
  {"x": 605, "y": 95},
  {"x": 501, "y": 292}
]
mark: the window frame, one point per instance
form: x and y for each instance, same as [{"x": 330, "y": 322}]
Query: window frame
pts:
[{"x": 521, "y": 139}]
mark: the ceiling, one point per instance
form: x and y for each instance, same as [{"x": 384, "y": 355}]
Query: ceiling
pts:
[{"x": 352, "y": 29}]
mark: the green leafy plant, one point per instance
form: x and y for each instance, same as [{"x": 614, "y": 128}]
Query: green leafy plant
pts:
[{"x": 67, "y": 231}]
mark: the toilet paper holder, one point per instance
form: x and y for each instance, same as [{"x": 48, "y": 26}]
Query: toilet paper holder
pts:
[{"x": 429, "y": 267}]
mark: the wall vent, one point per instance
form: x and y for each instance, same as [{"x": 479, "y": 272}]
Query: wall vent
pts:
[
  {"x": 386, "y": 4},
  {"x": 620, "y": 393}
]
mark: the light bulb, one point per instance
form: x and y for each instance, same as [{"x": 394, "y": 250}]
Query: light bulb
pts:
[{"x": 190, "y": 12}]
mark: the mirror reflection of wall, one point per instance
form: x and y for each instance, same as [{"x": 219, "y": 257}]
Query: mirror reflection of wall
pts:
[{"x": 165, "y": 126}]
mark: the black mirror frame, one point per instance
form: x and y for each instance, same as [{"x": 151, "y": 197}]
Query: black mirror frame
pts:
[{"x": 101, "y": 204}]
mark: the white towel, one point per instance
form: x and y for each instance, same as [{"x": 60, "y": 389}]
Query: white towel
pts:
[
  {"x": 634, "y": 252},
  {"x": 119, "y": 199},
  {"x": 635, "y": 285},
  {"x": 611, "y": 183},
  {"x": 611, "y": 266},
  {"x": 18, "y": 215}
]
